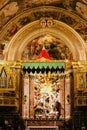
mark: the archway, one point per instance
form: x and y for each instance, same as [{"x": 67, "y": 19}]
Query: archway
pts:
[{"x": 58, "y": 29}]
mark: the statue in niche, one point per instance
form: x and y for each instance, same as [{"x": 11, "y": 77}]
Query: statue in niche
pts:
[
  {"x": 81, "y": 80},
  {"x": 58, "y": 108}
]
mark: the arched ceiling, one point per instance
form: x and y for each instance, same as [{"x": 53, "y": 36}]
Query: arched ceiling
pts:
[
  {"x": 58, "y": 30},
  {"x": 68, "y": 26}
]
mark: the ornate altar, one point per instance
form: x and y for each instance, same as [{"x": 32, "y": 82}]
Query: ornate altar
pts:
[{"x": 46, "y": 92}]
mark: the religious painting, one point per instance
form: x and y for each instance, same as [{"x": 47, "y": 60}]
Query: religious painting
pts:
[
  {"x": 56, "y": 48},
  {"x": 48, "y": 97},
  {"x": 9, "y": 8}
]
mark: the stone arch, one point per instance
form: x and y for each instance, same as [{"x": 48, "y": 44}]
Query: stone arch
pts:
[{"x": 33, "y": 30}]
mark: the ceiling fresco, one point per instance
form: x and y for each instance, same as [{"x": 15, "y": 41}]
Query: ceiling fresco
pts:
[
  {"x": 9, "y": 8},
  {"x": 15, "y": 14}
]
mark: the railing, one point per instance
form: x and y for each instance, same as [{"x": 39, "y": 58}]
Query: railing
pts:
[
  {"x": 81, "y": 101},
  {"x": 8, "y": 98},
  {"x": 43, "y": 128},
  {"x": 7, "y": 88},
  {"x": 8, "y": 102}
]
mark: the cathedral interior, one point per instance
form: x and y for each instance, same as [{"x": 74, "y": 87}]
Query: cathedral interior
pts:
[{"x": 43, "y": 64}]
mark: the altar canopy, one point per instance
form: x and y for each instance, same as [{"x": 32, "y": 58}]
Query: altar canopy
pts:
[
  {"x": 46, "y": 64},
  {"x": 44, "y": 54},
  {"x": 44, "y": 60}
]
